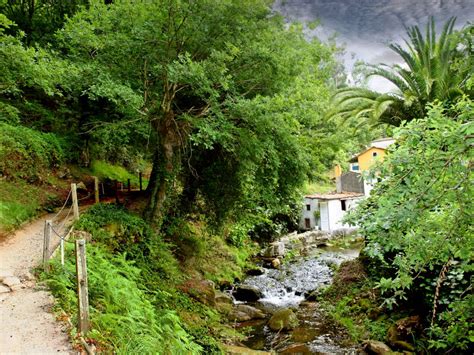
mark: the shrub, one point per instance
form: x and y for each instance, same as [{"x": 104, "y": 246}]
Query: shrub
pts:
[
  {"x": 418, "y": 222},
  {"x": 26, "y": 153},
  {"x": 118, "y": 231}
]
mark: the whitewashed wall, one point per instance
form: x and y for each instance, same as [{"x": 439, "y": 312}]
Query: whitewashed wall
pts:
[{"x": 314, "y": 206}]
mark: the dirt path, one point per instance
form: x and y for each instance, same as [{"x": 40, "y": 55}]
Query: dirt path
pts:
[{"x": 27, "y": 324}]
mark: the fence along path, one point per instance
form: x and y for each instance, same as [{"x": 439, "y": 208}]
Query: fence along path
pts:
[
  {"x": 28, "y": 325},
  {"x": 54, "y": 228}
]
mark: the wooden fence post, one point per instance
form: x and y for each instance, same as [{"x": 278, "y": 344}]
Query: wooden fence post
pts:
[
  {"x": 46, "y": 252},
  {"x": 96, "y": 189},
  {"x": 129, "y": 187},
  {"x": 61, "y": 245},
  {"x": 82, "y": 288},
  {"x": 140, "y": 178},
  {"x": 75, "y": 204}
]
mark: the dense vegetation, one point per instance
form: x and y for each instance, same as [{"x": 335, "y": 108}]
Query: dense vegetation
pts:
[
  {"x": 224, "y": 106},
  {"x": 418, "y": 224}
]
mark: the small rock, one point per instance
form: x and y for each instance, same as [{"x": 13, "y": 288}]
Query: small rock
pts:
[
  {"x": 4, "y": 274},
  {"x": 404, "y": 345},
  {"x": 11, "y": 281},
  {"x": 240, "y": 350},
  {"x": 4, "y": 289},
  {"x": 247, "y": 293},
  {"x": 237, "y": 316},
  {"x": 283, "y": 319},
  {"x": 224, "y": 308},
  {"x": 276, "y": 263},
  {"x": 222, "y": 297},
  {"x": 27, "y": 277},
  {"x": 376, "y": 347},
  {"x": 296, "y": 349}
]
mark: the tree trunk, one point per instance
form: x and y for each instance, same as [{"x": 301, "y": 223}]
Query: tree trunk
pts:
[{"x": 166, "y": 164}]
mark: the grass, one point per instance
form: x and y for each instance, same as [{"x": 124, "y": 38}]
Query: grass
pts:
[
  {"x": 318, "y": 187},
  {"x": 20, "y": 202}
]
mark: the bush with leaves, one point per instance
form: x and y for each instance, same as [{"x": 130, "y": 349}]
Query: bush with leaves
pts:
[
  {"x": 418, "y": 222},
  {"x": 26, "y": 153}
]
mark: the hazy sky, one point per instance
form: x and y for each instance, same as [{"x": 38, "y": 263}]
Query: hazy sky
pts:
[{"x": 367, "y": 26}]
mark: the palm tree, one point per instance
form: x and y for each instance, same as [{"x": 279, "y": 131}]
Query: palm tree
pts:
[{"x": 432, "y": 69}]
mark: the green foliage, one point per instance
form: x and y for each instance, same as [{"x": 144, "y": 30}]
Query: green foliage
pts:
[
  {"x": 36, "y": 21},
  {"x": 123, "y": 317},
  {"x": 244, "y": 102},
  {"x": 26, "y": 153},
  {"x": 418, "y": 220},
  {"x": 121, "y": 232},
  {"x": 203, "y": 252}
]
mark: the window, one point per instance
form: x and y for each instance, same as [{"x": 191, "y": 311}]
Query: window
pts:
[
  {"x": 354, "y": 167},
  {"x": 374, "y": 154},
  {"x": 308, "y": 207},
  {"x": 343, "y": 205},
  {"x": 307, "y": 223}
]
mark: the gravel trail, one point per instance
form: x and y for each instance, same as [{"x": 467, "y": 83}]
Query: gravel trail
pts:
[{"x": 27, "y": 323}]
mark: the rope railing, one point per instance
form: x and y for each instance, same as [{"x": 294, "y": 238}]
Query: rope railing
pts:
[
  {"x": 64, "y": 205},
  {"x": 56, "y": 226}
]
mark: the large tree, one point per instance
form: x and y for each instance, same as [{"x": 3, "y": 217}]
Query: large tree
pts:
[
  {"x": 433, "y": 68},
  {"x": 190, "y": 70}
]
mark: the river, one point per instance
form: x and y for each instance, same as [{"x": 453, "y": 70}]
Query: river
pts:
[{"x": 288, "y": 287}]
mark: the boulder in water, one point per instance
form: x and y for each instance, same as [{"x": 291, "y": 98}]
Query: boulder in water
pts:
[
  {"x": 240, "y": 350},
  {"x": 283, "y": 319},
  {"x": 257, "y": 271},
  {"x": 275, "y": 249},
  {"x": 247, "y": 293},
  {"x": 296, "y": 349},
  {"x": 276, "y": 263},
  {"x": 242, "y": 313}
]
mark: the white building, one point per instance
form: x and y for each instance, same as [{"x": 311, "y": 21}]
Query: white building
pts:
[{"x": 326, "y": 211}]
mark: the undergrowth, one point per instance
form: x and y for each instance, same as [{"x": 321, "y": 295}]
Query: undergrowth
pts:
[
  {"x": 134, "y": 276},
  {"x": 105, "y": 170},
  {"x": 353, "y": 304},
  {"x": 26, "y": 153},
  {"x": 123, "y": 317}
]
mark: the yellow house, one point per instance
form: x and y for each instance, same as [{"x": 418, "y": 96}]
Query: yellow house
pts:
[
  {"x": 364, "y": 161},
  {"x": 376, "y": 152}
]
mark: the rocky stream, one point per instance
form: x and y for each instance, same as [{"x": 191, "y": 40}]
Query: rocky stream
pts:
[{"x": 275, "y": 305}]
